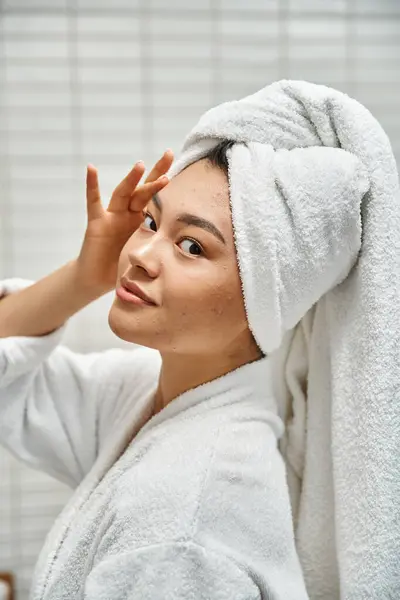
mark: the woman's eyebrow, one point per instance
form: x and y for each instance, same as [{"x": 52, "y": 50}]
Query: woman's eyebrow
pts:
[{"x": 190, "y": 219}]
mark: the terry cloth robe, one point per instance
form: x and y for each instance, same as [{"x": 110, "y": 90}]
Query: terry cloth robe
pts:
[{"x": 191, "y": 504}]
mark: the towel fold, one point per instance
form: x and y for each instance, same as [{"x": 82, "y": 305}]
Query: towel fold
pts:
[{"x": 315, "y": 204}]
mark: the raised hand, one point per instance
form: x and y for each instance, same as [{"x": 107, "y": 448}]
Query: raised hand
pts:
[{"x": 109, "y": 229}]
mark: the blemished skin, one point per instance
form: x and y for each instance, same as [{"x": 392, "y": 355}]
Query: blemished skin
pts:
[{"x": 199, "y": 324}]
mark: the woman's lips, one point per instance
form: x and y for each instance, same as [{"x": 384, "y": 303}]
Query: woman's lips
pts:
[
  {"x": 127, "y": 296},
  {"x": 133, "y": 287}
]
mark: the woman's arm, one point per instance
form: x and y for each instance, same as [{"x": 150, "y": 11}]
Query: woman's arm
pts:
[
  {"x": 46, "y": 305},
  {"x": 57, "y": 406}
]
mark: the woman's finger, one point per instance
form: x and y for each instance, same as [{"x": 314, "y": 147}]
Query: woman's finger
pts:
[
  {"x": 143, "y": 194},
  {"x": 122, "y": 194},
  {"x": 94, "y": 206},
  {"x": 161, "y": 166}
]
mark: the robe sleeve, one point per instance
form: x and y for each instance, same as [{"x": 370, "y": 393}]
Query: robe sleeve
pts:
[
  {"x": 170, "y": 571},
  {"x": 57, "y": 406}
]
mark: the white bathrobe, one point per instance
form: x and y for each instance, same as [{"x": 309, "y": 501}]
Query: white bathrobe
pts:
[{"x": 191, "y": 504}]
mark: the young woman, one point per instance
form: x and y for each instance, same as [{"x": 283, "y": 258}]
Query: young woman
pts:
[{"x": 171, "y": 446}]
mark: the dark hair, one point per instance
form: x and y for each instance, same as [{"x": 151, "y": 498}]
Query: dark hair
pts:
[{"x": 217, "y": 156}]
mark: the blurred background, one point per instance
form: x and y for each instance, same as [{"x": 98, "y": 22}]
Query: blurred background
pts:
[{"x": 110, "y": 82}]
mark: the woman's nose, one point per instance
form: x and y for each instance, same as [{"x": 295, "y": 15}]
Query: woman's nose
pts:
[{"x": 146, "y": 254}]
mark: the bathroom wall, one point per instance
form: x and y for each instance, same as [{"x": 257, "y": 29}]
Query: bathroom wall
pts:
[{"x": 113, "y": 81}]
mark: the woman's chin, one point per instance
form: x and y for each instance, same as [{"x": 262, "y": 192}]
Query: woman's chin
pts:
[
  {"x": 118, "y": 324},
  {"x": 127, "y": 329}
]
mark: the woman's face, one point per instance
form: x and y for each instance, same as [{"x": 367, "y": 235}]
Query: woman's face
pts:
[{"x": 188, "y": 268}]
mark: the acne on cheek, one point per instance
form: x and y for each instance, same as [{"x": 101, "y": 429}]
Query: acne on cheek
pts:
[{"x": 223, "y": 303}]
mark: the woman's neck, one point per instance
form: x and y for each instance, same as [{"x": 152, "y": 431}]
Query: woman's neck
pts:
[{"x": 182, "y": 373}]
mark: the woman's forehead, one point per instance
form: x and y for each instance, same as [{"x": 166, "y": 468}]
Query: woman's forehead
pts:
[{"x": 200, "y": 186}]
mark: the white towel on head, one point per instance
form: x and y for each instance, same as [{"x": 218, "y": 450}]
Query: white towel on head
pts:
[{"x": 315, "y": 202}]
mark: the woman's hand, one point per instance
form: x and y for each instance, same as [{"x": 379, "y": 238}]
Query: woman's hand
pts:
[{"x": 109, "y": 229}]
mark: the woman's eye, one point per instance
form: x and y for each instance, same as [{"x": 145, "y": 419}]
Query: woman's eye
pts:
[
  {"x": 149, "y": 218},
  {"x": 192, "y": 246}
]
